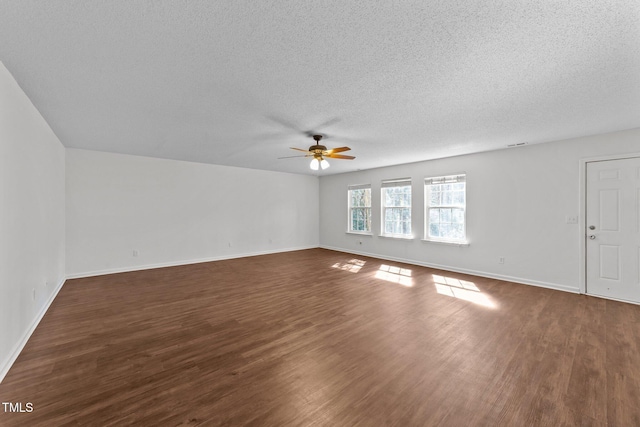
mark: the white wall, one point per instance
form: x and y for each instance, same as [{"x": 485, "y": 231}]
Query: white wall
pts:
[
  {"x": 517, "y": 203},
  {"x": 176, "y": 212},
  {"x": 32, "y": 219}
]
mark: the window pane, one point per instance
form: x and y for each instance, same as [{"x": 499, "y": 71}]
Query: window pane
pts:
[
  {"x": 387, "y": 197},
  {"x": 407, "y": 196},
  {"x": 361, "y": 197},
  {"x": 434, "y": 215},
  {"x": 388, "y": 220},
  {"x": 388, "y": 215},
  {"x": 361, "y": 219},
  {"x": 366, "y": 197},
  {"x": 397, "y": 221},
  {"x": 458, "y": 198},
  {"x": 434, "y": 198},
  {"x": 397, "y": 196},
  {"x": 388, "y": 227},
  {"x": 445, "y": 215},
  {"x": 434, "y": 230},
  {"x": 447, "y": 200},
  {"x": 367, "y": 219},
  {"x": 458, "y": 216},
  {"x": 457, "y": 231}
]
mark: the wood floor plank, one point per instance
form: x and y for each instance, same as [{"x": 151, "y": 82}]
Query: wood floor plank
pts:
[
  {"x": 323, "y": 338},
  {"x": 623, "y": 346}
]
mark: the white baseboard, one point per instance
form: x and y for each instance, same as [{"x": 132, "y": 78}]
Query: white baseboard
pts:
[
  {"x": 183, "y": 262},
  {"x": 5, "y": 365},
  {"x": 520, "y": 280}
]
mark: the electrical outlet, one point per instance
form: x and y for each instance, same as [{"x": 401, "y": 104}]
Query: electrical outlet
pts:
[
  {"x": 136, "y": 252},
  {"x": 501, "y": 260},
  {"x": 229, "y": 244}
]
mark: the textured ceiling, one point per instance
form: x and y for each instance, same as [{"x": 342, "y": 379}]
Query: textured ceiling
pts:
[{"x": 229, "y": 82}]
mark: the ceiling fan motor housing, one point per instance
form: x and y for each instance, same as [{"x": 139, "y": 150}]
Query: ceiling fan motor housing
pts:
[{"x": 318, "y": 149}]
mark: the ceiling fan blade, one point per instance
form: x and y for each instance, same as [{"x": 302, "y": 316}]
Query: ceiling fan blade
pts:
[
  {"x": 340, "y": 156},
  {"x": 299, "y": 149},
  {"x": 327, "y": 123},
  {"x": 286, "y": 124},
  {"x": 337, "y": 150},
  {"x": 291, "y": 157},
  {"x": 292, "y": 125}
]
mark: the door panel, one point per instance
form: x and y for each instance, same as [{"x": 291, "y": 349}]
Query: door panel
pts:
[
  {"x": 609, "y": 262},
  {"x": 609, "y": 210},
  {"x": 613, "y": 229}
]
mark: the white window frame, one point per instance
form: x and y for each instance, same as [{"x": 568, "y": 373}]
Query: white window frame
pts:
[
  {"x": 447, "y": 179},
  {"x": 352, "y": 208},
  {"x": 391, "y": 183}
]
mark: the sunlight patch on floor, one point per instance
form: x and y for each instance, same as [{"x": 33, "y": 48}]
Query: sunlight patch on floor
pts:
[
  {"x": 393, "y": 274},
  {"x": 461, "y": 289},
  {"x": 353, "y": 266}
]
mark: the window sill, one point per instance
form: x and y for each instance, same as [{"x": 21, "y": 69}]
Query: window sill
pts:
[
  {"x": 395, "y": 236},
  {"x": 446, "y": 242},
  {"x": 359, "y": 233}
]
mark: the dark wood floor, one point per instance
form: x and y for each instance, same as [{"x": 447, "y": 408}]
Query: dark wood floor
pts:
[{"x": 324, "y": 338}]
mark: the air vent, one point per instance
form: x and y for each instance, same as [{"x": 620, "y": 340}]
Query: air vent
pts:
[{"x": 518, "y": 144}]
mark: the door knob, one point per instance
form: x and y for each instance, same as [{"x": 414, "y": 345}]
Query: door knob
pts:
[
  {"x": 592, "y": 227},
  {"x": 592, "y": 237}
]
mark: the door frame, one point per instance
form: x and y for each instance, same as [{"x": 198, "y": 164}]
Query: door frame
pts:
[{"x": 582, "y": 220}]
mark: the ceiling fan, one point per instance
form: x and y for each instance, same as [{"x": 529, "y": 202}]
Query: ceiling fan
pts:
[{"x": 319, "y": 152}]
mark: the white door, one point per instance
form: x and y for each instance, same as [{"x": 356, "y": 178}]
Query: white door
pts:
[{"x": 613, "y": 229}]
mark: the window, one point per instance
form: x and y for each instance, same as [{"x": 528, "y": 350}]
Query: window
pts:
[
  {"x": 360, "y": 208},
  {"x": 445, "y": 210},
  {"x": 396, "y": 208}
]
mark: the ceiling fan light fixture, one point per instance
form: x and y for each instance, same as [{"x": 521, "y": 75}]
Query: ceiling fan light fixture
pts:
[
  {"x": 324, "y": 164},
  {"x": 315, "y": 163}
]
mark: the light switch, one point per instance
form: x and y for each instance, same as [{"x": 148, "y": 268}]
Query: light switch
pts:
[{"x": 571, "y": 219}]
